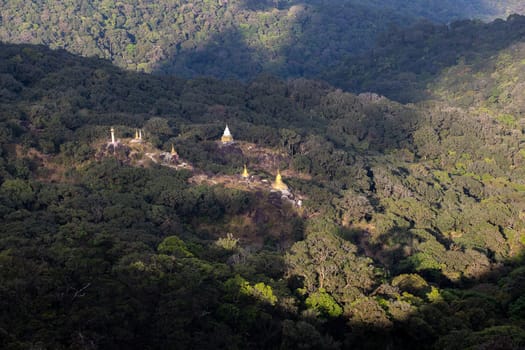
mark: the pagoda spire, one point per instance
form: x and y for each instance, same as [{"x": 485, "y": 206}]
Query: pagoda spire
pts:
[
  {"x": 112, "y": 130},
  {"x": 278, "y": 184},
  {"x": 245, "y": 173},
  {"x": 136, "y": 134},
  {"x": 174, "y": 156},
  {"x": 227, "y": 136}
]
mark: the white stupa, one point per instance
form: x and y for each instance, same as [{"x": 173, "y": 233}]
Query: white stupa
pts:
[{"x": 227, "y": 137}]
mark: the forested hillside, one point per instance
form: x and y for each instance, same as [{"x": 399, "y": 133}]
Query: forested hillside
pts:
[
  {"x": 398, "y": 131},
  {"x": 407, "y": 61},
  {"x": 237, "y": 38},
  {"x": 411, "y": 233}
]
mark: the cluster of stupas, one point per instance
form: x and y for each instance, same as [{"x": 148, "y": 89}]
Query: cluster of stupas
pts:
[
  {"x": 114, "y": 142},
  {"x": 278, "y": 184},
  {"x": 226, "y": 139},
  {"x": 138, "y": 136}
]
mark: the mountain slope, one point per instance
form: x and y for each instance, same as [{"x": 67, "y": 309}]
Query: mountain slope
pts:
[
  {"x": 411, "y": 232},
  {"x": 224, "y": 38},
  {"x": 408, "y": 60}
]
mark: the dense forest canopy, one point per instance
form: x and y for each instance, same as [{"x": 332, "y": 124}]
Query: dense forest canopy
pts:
[
  {"x": 237, "y": 38},
  {"x": 407, "y": 61},
  {"x": 411, "y": 233},
  {"x": 405, "y": 226}
]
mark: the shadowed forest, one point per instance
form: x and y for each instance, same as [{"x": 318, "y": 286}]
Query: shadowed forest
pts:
[
  {"x": 407, "y": 156},
  {"x": 233, "y": 39}
]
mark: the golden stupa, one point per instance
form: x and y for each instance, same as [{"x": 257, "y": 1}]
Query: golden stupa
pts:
[
  {"x": 278, "y": 184},
  {"x": 173, "y": 152},
  {"x": 138, "y": 136},
  {"x": 227, "y": 136},
  {"x": 245, "y": 173}
]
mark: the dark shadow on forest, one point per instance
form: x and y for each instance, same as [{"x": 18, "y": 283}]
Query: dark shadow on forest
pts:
[
  {"x": 183, "y": 307},
  {"x": 394, "y": 250},
  {"x": 406, "y": 56},
  {"x": 91, "y": 92},
  {"x": 481, "y": 312},
  {"x": 405, "y": 61},
  {"x": 306, "y": 48}
]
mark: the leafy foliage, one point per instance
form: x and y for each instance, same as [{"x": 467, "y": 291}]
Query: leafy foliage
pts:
[
  {"x": 410, "y": 233},
  {"x": 236, "y": 38}
]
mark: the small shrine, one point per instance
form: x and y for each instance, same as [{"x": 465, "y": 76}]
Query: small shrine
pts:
[
  {"x": 138, "y": 136},
  {"x": 245, "y": 174},
  {"x": 278, "y": 184},
  {"x": 227, "y": 137},
  {"x": 174, "y": 154},
  {"x": 113, "y": 142}
]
